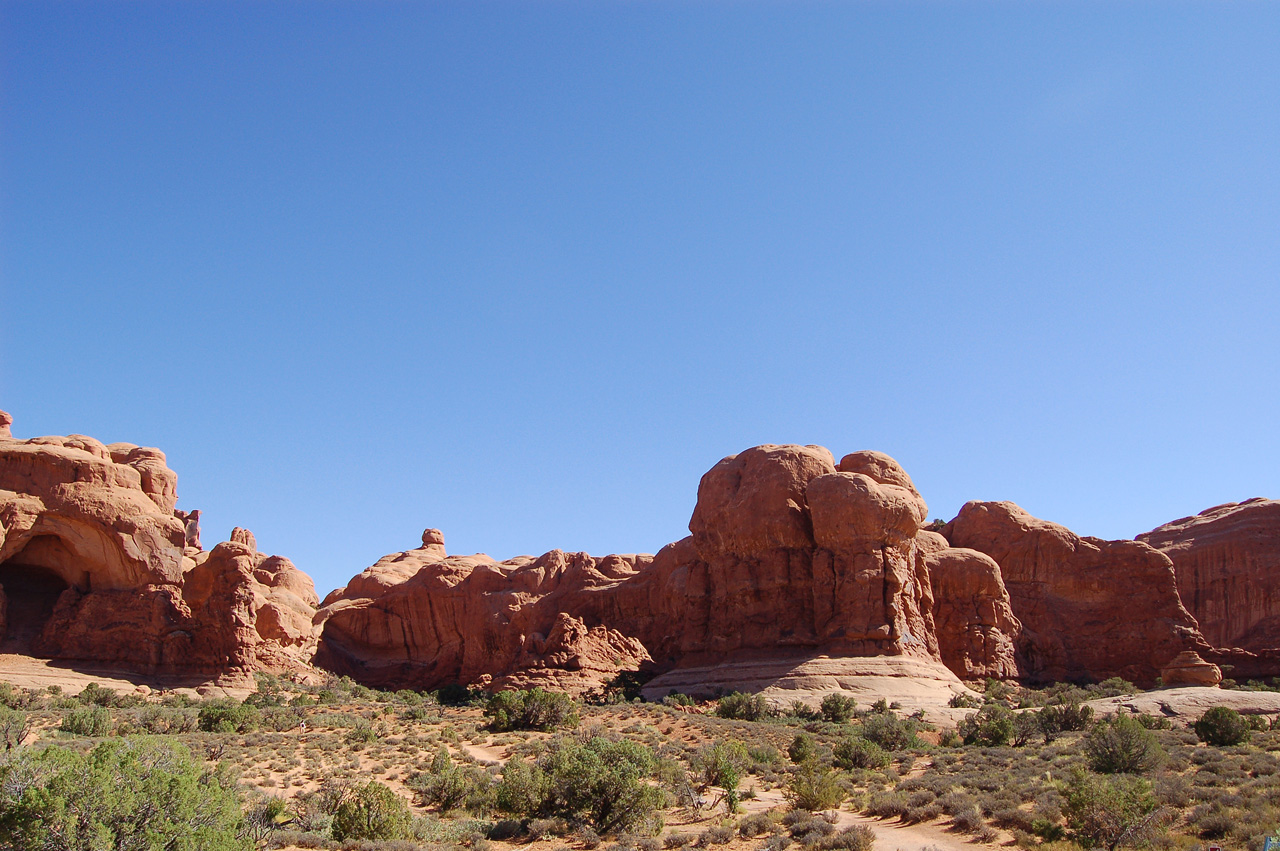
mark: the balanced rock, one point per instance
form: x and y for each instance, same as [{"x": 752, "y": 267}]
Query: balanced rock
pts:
[{"x": 1188, "y": 669}]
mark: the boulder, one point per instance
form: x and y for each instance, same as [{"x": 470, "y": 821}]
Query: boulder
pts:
[{"x": 1188, "y": 669}]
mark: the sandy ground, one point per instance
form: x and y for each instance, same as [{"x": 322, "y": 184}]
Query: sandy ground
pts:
[{"x": 32, "y": 673}]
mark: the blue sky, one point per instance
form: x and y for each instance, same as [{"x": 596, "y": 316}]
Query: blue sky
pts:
[{"x": 524, "y": 271}]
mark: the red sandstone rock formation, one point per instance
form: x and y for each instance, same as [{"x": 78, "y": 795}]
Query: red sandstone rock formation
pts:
[
  {"x": 791, "y": 555},
  {"x": 1227, "y": 561},
  {"x": 1089, "y": 608},
  {"x": 95, "y": 566}
]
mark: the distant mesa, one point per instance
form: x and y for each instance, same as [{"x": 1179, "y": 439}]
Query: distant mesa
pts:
[{"x": 800, "y": 576}]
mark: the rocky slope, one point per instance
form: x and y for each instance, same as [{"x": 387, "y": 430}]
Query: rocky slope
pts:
[{"x": 95, "y": 566}]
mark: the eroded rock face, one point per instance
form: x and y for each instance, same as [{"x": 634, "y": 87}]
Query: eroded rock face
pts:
[
  {"x": 98, "y": 566},
  {"x": 790, "y": 555},
  {"x": 1188, "y": 669},
  {"x": 1227, "y": 561},
  {"x": 1089, "y": 608}
]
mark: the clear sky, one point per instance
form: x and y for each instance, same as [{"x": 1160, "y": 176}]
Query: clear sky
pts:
[{"x": 524, "y": 271}]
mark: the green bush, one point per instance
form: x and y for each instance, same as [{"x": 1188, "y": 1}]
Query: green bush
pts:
[
  {"x": 1111, "y": 812},
  {"x": 228, "y": 716},
  {"x": 600, "y": 782},
  {"x": 815, "y": 787},
  {"x": 1121, "y": 745},
  {"x": 837, "y": 708},
  {"x": 744, "y": 707},
  {"x": 1222, "y": 726},
  {"x": 889, "y": 731},
  {"x": 127, "y": 794},
  {"x": 722, "y": 764},
  {"x": 857, "y": 752},
  {"x": 802, "y": 748},
  {"x": 1063, "y": 718},
  {"x": 535, "y": 709},
  {"x": 95, "y": 695},
  {"x": 372, "y": 811},
  {"x": 14, "y": 726},
  {"x": 451, "y": 787},
  {"x": 92, "y": 720},
  {"x": 990, "y": 726}
]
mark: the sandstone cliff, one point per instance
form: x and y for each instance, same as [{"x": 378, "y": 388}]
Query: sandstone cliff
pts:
[
  {"x": 791, "y": 557},
  {"x": 1227, "y": 561},
  {"x": 94, "y": 566},
  {"x": 1089, "y": 608}
]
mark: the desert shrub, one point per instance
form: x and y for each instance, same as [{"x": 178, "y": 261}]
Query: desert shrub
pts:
[
  {"x": 968, "y": 819},
  {"x": 815, "y": 787},
  {"x": 281, "y": 718},
  {"x": 754, "y": 825},
  {"x": 361, "y": 734},
  {"x": 227, "y": 716},
  {"x": 673, "y": 841},
  {"x": 95, "y": 695},
  {"x": 803, "y": 711},
  {"x": 542, "y": 827},
  {"x": 601, "y": 782},
  {"x": 1121, "y": 745},
  {"x": 857, "y": 752},
  {"x": 372, "y": 811},
  {"x": 744, "y": 707},
  {"x": 802, "y": 748},
  {"x": 126, "y": 793},
  {"x": 1063, "y": 718},
  {"x": 887, "y": 804},
  {"x": 859, "y": 837},
  {"x": 504, "y": 829},
  {"x": 964, "y": 700},
  {"x": 535, "y": 709},
  {"x": 719, "y": 835},
  {"x": 1111, "y": 812},
  {"x": 91, "y": 720},
  {"x": 450, "y": 787},
  {"x": 1153, "y": 722},
  {"x": 837, "y": 708},
  {"x": 1113, "y": 687},
  {"x": 889, "y": 731},
  {"x": 990, "y": 726},
  {"x": 678, "y": 699},
  {"x": 14, "y": 726},
  {"x": 1221, "y": 726},
  {"x": 997, "y": 689},
  {"x": 722, "y": 763}
]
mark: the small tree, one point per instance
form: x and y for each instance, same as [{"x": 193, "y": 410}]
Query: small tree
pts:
[
  {"x": 722, "y": 764},
  {"x": 1222, "y": 726},
  {"x": 990, "y": 726},
  {"x": 889, "y": 731},
  {"x": 1121, "y": 745},
  {"x": 372, "y": 811},
  {"x": 857, "y": 752},
  {"x": 1111, "y": 812},
  {"x": 14, "y": 727},
  {"x": 1063, "y": 718},
  {"x": 802, "y": 748},
  {"x": 744, "y": 707},
  {"x": 535, "y": 709},
  {"x": 815, "y": 787},
  {"x": 837, "y": 708}
]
